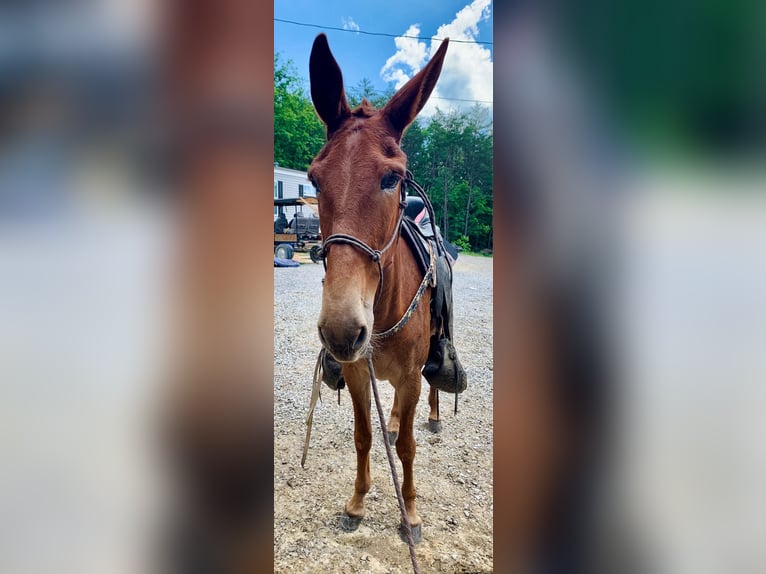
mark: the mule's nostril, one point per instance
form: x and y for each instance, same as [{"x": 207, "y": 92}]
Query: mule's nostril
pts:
[
  {"x": 321, "y": 337},
  {"x": 361, "y": 339}
]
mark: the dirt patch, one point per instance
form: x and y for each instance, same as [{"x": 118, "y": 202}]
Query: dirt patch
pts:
[{"x": 453, "y": 470}]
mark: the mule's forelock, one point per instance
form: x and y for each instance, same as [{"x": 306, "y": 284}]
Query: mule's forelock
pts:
[
  {"x": 326, "y": 80},
  {"x": 364, "y": 110}
]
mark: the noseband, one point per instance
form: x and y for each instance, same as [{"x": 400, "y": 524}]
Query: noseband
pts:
[{"x": 376, "y": 255}]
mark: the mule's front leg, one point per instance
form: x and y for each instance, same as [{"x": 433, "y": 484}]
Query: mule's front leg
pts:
[
  {"x": 393, "y": 421},
  {"x": 408, "y": 393},
  {"x": 357, "y": 379}
]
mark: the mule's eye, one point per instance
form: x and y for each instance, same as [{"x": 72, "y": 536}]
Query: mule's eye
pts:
[{"x": 390, "y": 181}]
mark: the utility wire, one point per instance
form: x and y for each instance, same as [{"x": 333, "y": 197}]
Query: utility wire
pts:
[
  {"x": 463, "y": 100},
  {"x": 393, "y": 36},
  {"x": 377, "y": 33},
  {"x": 445, "y": 98}
]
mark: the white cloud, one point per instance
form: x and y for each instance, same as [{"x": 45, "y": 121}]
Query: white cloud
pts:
[
  {"x": 349, "y": 24},
  {"x": 467, "y": 71},
  {"x": 410, "y": 54}
]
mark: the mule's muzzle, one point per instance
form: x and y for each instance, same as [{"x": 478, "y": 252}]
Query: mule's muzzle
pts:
[{"x": 345, "y": 345}]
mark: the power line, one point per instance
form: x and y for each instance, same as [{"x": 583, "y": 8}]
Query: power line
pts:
[
  {"x": 445, "y": 98},
  {"x": 377, "y": 33},
  {"x": 463, "y": 100},
  {"x": 393, "y": 36}
]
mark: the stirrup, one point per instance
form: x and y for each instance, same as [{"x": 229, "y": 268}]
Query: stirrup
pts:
[
  {"x": 443, "y": 370},
  {"x": 332, "y": 376}
]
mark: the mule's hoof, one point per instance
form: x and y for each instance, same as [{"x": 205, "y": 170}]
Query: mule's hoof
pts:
[
  {"x": 349, "y": 523},
  {"x": 392, "y": 437},
  {"x": 416, "y": 531},
  {"x": 434, "y": 426}
]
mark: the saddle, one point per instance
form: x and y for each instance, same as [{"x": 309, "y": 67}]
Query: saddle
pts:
[{"x": 443, "y": 369}]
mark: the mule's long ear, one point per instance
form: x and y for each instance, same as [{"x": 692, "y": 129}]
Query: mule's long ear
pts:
[
  {"x": 327, "y": 85},
  {"x": 405, "y": 104}
]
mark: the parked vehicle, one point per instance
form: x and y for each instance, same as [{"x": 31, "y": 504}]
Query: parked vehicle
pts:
[{"x": 301, "y": 233}]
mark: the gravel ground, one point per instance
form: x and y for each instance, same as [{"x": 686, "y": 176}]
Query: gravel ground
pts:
[{"x": 453, "y": 470}]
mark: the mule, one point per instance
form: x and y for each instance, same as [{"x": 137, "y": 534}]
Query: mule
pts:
[{"x": 371, "y": 275}]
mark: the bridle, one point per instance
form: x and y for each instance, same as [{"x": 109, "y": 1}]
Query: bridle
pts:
[{"x": 377, "y": 254}]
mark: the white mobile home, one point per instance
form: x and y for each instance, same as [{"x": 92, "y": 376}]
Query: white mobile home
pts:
[{"x": 289, "y": 183}]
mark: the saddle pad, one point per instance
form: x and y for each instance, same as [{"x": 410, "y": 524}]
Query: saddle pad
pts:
[{"x": 417, "y": 243}]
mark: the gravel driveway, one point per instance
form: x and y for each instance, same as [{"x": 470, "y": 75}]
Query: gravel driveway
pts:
[{"x": 453, "y": 470}]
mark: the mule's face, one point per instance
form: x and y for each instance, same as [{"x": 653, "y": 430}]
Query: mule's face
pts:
[{"x": 358, "y": 177}]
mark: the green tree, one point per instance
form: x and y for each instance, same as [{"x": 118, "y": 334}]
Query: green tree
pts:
[
  {"x": 298, "y": 132},
  {"x": 451, "y": 157},
  {"x": 365, "y": 89},
  {"x": 415, "y": 146}
]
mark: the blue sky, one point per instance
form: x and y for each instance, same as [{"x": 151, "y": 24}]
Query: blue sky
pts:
[{"x": 467, "y": 71}]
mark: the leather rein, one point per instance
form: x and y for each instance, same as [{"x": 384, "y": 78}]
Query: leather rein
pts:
[{"x": 429, "y": 279}]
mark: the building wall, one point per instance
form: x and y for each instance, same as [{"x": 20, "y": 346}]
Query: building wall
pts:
[{"x": 291, "y": 183}]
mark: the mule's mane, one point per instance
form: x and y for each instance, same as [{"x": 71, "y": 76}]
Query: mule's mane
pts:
[{"x": 364, "y": 110}]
